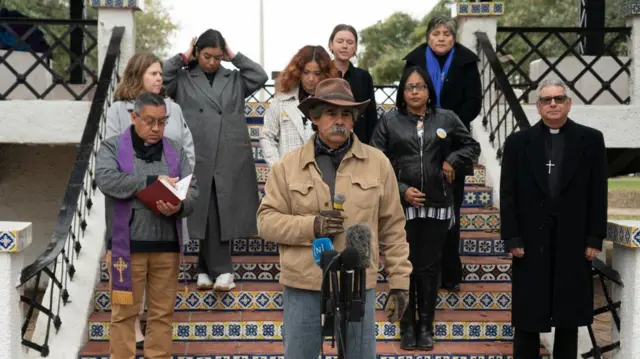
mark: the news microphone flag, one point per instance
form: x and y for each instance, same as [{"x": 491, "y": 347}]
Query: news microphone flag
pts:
[{"x": 320, "y": 245}]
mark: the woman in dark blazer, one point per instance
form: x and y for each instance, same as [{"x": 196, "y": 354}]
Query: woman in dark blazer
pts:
[
  {"x": 212, "y": 98},
  {"x": 453, "y": 69},
  {"x": 343, "y": 44}
]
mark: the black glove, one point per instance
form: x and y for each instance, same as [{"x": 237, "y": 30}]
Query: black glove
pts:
[
  {"x": 396, "y": 304},
  {"x": 329, "y": 223}
]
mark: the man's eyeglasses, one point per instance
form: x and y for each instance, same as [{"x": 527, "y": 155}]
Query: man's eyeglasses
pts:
[
  {"x": 558, "y": 99},
  {"x": 150, "y": 121},
  {"x": 419, "y": 87}
]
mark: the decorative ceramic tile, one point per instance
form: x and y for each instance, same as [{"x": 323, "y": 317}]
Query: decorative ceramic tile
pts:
[
  {"x": 480, "y": 8},
  {"x": 479, "y": 221},
  {"x": 482, "y": 247},
  {"x": 630, "y": 9},
  {"x": 15, "y": 236},
  {"x": 254, "y": 132},
  {"x": 120, "y": 4},
  {"x": 379, "y": 356},
  {"x": 256, "y": 109},
  {"x": 482, "y": 273},
  {"x": 624, "y": 233},
  {"x": 270, "y": 272},
  {"x": 272, "y": 331},
  {"x": 474, "y": 197},
  {"x": 258, "y": 155},
  {"x": 273, "y": 301},
  {"x": 478, "y": 177},
  {"x": 262, "y": 171},
  {"x": 253, "y": 246}
]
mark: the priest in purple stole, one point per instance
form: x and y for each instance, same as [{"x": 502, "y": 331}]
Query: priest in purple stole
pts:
[{"x": 144, "y": 248}]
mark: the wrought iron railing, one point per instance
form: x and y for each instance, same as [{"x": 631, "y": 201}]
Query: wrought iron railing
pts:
[
  {"x": 502, "y": 113},
  {"x": 589, "y": 78},
  {"x": 63, "y": 54},
  {"x": 57, "y": 262}
]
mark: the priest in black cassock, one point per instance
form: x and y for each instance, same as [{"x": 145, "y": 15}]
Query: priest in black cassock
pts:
[{"x": 553, "y": 208}]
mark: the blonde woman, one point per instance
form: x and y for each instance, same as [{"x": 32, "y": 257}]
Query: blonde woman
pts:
[{"x": 144, "y": 74}]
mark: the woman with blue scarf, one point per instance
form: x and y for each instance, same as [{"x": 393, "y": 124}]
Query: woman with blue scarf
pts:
[{"x": 453, "y": 69}]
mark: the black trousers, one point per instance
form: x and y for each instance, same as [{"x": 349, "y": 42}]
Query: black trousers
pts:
[
  {"x": 214, "y": 257},
  {"x": 526, "y": 345},
  {"x": 426, "y": 237},
  {"x": 451, "y": 264}
]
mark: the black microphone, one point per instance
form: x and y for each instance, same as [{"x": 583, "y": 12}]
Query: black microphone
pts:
[{"x": 359, "y": 238}]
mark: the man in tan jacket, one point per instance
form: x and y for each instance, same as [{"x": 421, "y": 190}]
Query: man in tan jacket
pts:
[{"x": 297, "y": 208}]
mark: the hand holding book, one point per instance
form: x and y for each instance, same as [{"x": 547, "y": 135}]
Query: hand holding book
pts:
[{"x": 165, "y": 195}]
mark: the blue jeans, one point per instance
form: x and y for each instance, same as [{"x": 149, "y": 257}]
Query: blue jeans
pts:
[{"x": 302, "y": 330}]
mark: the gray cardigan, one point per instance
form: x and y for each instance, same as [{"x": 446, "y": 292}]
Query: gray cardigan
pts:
[{"x": 119, "y": 119}]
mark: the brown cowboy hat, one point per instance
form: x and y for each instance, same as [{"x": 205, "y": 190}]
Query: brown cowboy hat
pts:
[{"x": 334, "y": 91}]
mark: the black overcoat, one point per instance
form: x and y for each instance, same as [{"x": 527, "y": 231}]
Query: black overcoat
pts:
[{"x": 565, "y": 298}]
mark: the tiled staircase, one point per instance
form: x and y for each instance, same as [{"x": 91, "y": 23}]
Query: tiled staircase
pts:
[{"x": 246, "y": 323}]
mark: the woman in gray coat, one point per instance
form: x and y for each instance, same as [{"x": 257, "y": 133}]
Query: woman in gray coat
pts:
[{"x": 213, "y": 100}]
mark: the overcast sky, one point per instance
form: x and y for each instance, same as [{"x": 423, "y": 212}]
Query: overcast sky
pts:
[{"x": 288, "y": 24}]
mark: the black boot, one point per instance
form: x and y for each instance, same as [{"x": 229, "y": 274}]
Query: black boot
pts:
[
  {"x": 408, "y": 320},
  {"x": 427, "y": 297}
]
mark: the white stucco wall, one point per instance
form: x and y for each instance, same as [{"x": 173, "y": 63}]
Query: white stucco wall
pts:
[
  {"x": 41, "y": 121},
  {"x": 32, "y": 183}
]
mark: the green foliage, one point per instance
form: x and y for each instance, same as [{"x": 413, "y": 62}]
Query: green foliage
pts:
[
  {"x": 385, "y": 61},
  {"x": 153, "y": 28}
]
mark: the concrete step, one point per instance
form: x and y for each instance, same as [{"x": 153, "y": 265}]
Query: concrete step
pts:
[
  {"x": 261, "y": 350},
  {"x": 450, "y": 326},
  {"x": 267, "y": 269},
  {"x": 268, "y": 297},
  {"x": 474, "y": 243}
]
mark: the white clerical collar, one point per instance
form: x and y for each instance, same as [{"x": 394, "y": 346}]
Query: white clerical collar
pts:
[{"x": 554, "y": 131}]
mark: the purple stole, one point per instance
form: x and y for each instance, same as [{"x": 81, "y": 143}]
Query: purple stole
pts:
[{"x": 121, "y": 292}]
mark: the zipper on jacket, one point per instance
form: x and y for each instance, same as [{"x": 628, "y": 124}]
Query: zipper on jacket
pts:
[{"x": 421, "y": 140}]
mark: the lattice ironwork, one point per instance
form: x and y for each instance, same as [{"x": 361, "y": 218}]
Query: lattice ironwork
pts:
[
  {"x": 49, "y": 43},
  {"x": 57, "y": 261},
  {"x": 502, "y": 114},
  {"x": 519, "y": 46}
]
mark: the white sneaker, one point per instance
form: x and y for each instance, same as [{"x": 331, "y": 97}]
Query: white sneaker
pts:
[
  {"x": 204, "y": 282},
  {"x": 224, "y": 283}
]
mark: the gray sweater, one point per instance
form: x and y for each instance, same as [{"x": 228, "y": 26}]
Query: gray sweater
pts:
[{"x": 149, "y": 232}]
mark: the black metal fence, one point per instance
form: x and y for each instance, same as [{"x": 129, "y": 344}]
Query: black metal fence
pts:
[
  {"x": 502, "y": 113},
  {"x": 590, "y": 78},
  {"x": 57, "y": 261},
  {"x": 63, "y": 53}
]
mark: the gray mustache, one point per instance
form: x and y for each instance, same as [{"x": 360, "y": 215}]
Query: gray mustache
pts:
[{"x": 339, "y": 129}]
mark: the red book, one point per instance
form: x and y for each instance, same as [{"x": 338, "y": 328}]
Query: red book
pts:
[{"x": 162, "y": 190}]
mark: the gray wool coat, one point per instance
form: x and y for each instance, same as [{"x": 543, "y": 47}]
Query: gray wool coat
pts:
[{"x": 215, "y": 115}]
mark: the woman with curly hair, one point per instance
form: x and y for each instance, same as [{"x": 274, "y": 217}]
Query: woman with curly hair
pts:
[{"x": 285, "y": 127}]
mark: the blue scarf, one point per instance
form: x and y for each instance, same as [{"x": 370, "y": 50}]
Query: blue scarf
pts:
[{"x": 436, "y": 73}]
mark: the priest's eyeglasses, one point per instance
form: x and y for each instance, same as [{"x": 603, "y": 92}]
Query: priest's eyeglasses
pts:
[
  {"x": 151, "y": 122},
  {"x": 558, "y": 99}
]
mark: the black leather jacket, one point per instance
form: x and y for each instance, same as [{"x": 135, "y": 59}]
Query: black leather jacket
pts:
[{"x": 421, "y": 166}]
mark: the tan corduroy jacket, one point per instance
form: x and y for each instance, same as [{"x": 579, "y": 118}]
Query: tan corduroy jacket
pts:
[{"x": 295, "y": 193}]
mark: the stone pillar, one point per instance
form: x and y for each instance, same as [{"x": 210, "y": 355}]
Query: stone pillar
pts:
[
  {"x": 626, "y": 260},
  {"x": 14, "y": 238},
  {"x": 631, "y": 12},
  {"x": 117, "y": 13},
  {"x": 477, "y": 16}
]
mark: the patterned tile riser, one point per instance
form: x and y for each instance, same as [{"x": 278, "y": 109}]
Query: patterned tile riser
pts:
[
  {"x": 272, "y": 301},
  {"x": 260, "y": 247},
  {"x": 270, "y": 272},
  {"x": 272, "y": 331},
  {"x": 379, "y": 356}
]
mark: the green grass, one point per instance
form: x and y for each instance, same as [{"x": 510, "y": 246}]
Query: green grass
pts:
[
  {"x": 623, "y": 218},
  {"x": 624, "y": 184}
]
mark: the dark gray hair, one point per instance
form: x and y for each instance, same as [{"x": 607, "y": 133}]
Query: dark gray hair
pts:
[
  {"x": 441, "y": 20},
  {"x": 147, "y": 99},
  {"x": 318, "y": 110},
  {"x": 553, "y": 82}
]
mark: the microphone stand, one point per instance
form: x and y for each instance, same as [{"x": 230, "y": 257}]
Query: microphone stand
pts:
[{"x": 346, "y": 297}]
